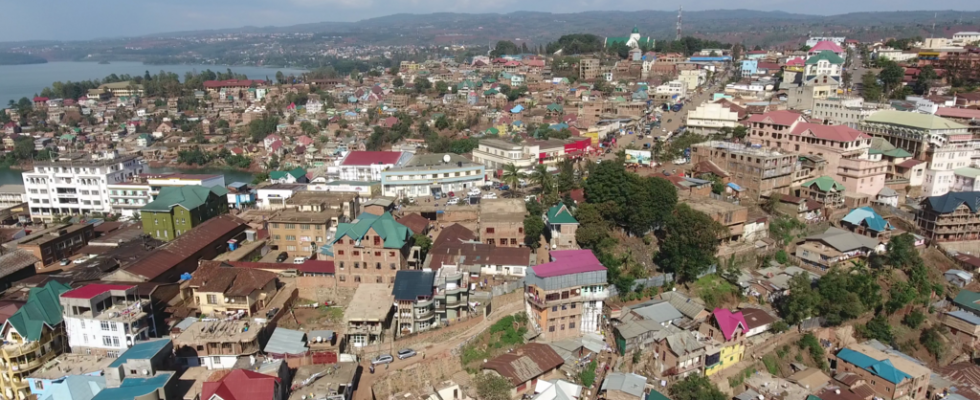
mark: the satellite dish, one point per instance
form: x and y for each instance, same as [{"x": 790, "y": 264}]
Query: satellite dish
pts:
[{"x": 446, "y": 158}]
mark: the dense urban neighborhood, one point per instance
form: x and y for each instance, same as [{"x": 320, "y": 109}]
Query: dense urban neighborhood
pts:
[{"x": 611, "y": 218}]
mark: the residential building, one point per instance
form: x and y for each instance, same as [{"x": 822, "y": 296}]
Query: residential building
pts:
[
  {"x": 33, "y": 335},
  {"x": 72, "y": 387},
  {"x": 127, "y": 198},
  {"x": 803, "y": 95},
  {"x": 843, "y": 110},
  {"x": 274, "y": 197},
  {"x": 834, "y": 246},
  {"x": 825, "y": 190},
  {"x": 17, "y": 264},
  {"x": 158, "y": 182},
  {"x": 564, "y": 297},
  {"x": 865, "y": 221},
  {"x": 964, "y": 326},
  {"x": 923, "y": 135},
  {"x": 731, "y": 216},
  {"x": 369, "y": 249},
  {"x": 588, "y": 69},
  {"x": 452, "y": 294},
  {"x": 218, "y": 344},
  {"x": 76, "y": 184},
  {"x": 366, "y": 166},
  {"x": 295, "y": 175},
  {"x": 57, "y": 242},
  {"x": 141, "y": 360},
  {"x": 413, "y": 293},
  {"x": 678, "y": 352},
  {"x": 525, "y": 366},
  {"x": 480, "y": 258},
  {"x": 242, "y": 384},
  {"x": 890, "y": 376},
  {"x": 824, "y": 63},
  {"x": 369, "y": 316},
  {"x": 300, "y": 233},
  {"x": 106, "y": 319},
  {"x": 12, "y": 195},
  {"x": 729, "y": 329},
  {"x": 757, "y": 171},
  {"x": 692, "y": 78},
  {"x": 240, "y": 195},
  {"x": 965, "y": 38},
  {"x": 951, "y": 217},
  {"x": 562, "y": 227},
  {"x": 638, "y": 327},
  {"x": 220, "y": 290},
  {"x": 495, "y": 154},
  {"x": 157, "y": 387},
  {"x": 425, "y": 174},
  {"x": 177, "y": 210},
  {"x": 711, "y": 117},
  {"x": 501, "y": 222}
]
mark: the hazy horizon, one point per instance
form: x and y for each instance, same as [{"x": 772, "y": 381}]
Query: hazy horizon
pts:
[{"x": 71, "y": 20}]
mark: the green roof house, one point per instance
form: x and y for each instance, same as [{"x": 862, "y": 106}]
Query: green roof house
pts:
[
  {"x": 33, "y": 335},
  {"x": 825, "y": 190},
  {"x": 377, "y": 242},
  {"x": 563, "y": 226},
  {"x": 296, "y": 175},
  {"x": 179, "y": 209},
  {"x": 555, "y": 108}
]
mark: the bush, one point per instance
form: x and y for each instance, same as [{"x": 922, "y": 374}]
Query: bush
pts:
[
  {"x": 587, "y": 376},
  {"x": 779, "y": 326},
  {"x": 914, "y": 319},
  {"x": 877, "y": 328},
  {"x": 932, "y": 338},
  {"x": 782, "y": 257},
  {"x": 811, "y": 344}
]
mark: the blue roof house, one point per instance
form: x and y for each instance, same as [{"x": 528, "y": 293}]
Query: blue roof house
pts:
[
  {"x": 867, "y": 222},
  {"x": 887, "y": 372}
]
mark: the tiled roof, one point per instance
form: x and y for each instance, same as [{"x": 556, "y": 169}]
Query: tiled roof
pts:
[
  {"x": 16, "y": 260},
  {"x": 454, "y": 233},
  {"x": 827, "y": 55},
  {"x": 42, "y": 308},
  {"x": 884, "y": 368},
  {"x": 394, "y": 234},
  {"x": 568, "y": 262},
  {"x": 163, "y": 258},
  {"x": 371, "y": 157},
  {"x": 230, "y": 281},
  {"x": 189, "y": 197},
  {"x": 242, "y": 384}
]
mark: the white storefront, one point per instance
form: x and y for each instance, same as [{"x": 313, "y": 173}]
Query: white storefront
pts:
[{"x": 425, "y": 173}]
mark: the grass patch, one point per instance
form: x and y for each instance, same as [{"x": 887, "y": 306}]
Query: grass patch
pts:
[
  {"x": 335, "y": 314},
  {"x": 741, "y": 377},
  {"x": 772, "y": 365},
  {"x": 714, "y": 290},
  {"x": 506, "y": 333}
]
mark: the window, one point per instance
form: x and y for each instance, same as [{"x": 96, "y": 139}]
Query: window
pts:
[
  {"x": 551, "y": 328},
  {"x": 391, "y": 254},
  {"x": 490, "y": 230},
  {"x": 212, "y": 299},
  {"x": 357, "y": 278},
  {"x": 343, "y": 278},
  {"x": 378, "y": 280},
  {"x": 85, "y": 338},
  {"x": 554, "y": 308},
  {"x": 105, "y": 325},
  {"x": 290, "y": 226},
  {"x": 341, "y": 265},
  {"x": 305, "y": 227},
  {"x": 115, "y": 341},
  {"x": 377, "y": 254},
  {"x": 377, "y": 266},
  {"x": 215, "y": 360},
  {"x": 114, "y": 326},
  {"x": 340, "y": 252},
  {"x": 290, "y": 237},
  {"x": 377, "y": 240},
  {"x": 107, "y": 341},
  {"x": 357, "y": 253},
  {"x": 357, "y": 265},
  {"x": 513, "y": 241},
  {"x": 571, "y": 325},
  {"x": 392, "y": 265}
]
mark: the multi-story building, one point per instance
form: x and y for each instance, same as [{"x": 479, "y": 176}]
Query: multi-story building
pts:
[
  {"x": 731, "y": 216},
  {"x": 12, "y": 195},
  {"x": 952, "y": 217},
  {"x": 824, "y": 63},
  {"x": 452, "y": 294},
  {"x": 965, "y": 38},
  {"x": 563, "y": 226},
  {"x": 127, "y": 198},
  {"x": 843, "y": 110},
  {"x": 588, "y": 69},
  {"x": 218, "y": 343},
  {"x": 369, "y": 317},
  {"x": 300, "y": 233},
  {"x": 711, "y": 117},
  {"x": 32, "y": 335},
  {"x": 728, "y": 330},
  {"x": 563, "y": 298},
  {"x": 501, "y": 222},
  {"x": 425, "y": 174},
  {"x": 496, "y": 154},
  {"x": 413, "y": 293},
  {"x": 220, "y": 291},
  {"x": 890, "y": 376},
  {"x": 57, "y": 242},
  {"x": 76, "y": 184},
  {"x": 158, "y": 182},
  {"x": 757, "y": 171},
  {"x": 105, "y": 319},
  {"x": 366, "y": 166},
  {"x": 177, "y": 210},
  {"x": 369, "y": 249}
]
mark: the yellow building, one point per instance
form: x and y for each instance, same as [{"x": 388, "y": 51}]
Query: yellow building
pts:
[
  {"x": 220, "y": 289},
  {"x": 33, "y": 335},
  {"x": 728, "y": 331}
]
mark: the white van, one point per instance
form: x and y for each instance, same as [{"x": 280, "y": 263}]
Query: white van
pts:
[{"x": 300, "y": 260}]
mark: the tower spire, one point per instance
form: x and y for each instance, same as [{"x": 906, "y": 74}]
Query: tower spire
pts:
[{"x": 680, "y": 10}]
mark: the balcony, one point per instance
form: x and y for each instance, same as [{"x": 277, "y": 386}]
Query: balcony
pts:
[{"x": 422, "y": 303}]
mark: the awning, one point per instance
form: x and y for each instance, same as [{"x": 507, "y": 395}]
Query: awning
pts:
[{"x": 734, "y": 187}]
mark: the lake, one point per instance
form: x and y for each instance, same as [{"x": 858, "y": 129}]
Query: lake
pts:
[
  {"x": 14, "y": 177},
  {"x": 18, "y": 81}
]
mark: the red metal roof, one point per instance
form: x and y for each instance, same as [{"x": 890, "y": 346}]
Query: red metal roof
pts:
[
  {"x": 90, "y": 291},
  {"x": 964, "y": 113},
  {"x": 372, "y": 157},
  {"x": 242, "y": 384},
  {"x": 826, "y": 45},
  {"x": 230, "y": 83},
  {"x": 729, "y": 321},
  {"x": 317, "y": 267},
  {"x": 568, "y": 262}
]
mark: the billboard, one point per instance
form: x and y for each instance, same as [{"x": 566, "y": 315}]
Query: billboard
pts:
[{"x": 638, "y": 157}]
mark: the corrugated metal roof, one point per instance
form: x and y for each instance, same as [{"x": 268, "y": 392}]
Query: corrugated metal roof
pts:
[{"x": 287, "y": 341}]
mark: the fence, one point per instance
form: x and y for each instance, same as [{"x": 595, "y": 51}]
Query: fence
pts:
[{"x": 506, "y": 287}]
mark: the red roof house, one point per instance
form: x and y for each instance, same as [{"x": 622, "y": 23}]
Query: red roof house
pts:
[
  {"x": 826, "y": 45},
  {"x": 243, "y": 384},
  {"x": 567, "y": 262},
  {"x": 371, "y": 157},
  {"x": 730, "y": 322}
]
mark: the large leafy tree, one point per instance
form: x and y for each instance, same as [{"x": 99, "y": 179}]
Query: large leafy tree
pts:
[
  {"x": 541, "y": 176},
  {"x": 696, "y": 387},
  {"x": 870, "y": 89},
  {"x": 651, "y": 202},
  {"x": 689, "y": 244},
  {"x": 533, "y": 228}
]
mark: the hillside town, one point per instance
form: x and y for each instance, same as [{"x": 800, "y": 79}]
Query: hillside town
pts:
[{"x": 598, "y": 218}]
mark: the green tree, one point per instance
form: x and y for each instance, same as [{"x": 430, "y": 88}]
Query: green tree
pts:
[
  {"x": 901, "y": 252},
  {"x": 504, "y": 47},
  {"x": 801, "y": 302},
  {"x": 870, "y": 89},
  {"x": 308, "y": 128},
  {"x": 651, "y": 201},
  {"x": 24, "y": 148},
  {"x": 424, "y": 243},
  {"x": 533, "y": 228},
  {"x": 914, "y": 319},
  {"x": 540, "y": 176},
  {"x": 442, "y": 87},
  {"x": 492, "y": 387},
  {"x": 593, "y": 231},
  {"x": 740, "y": 132},
  {"x": 511, "y": 176},
  {"x": 932, "y": 338},
  {"x": 689, "y": 244},
  {"x": 280, "y": 78},
  {"x": 398, "y": 82},
  {"x": 891, "y": 75},
  {"x": 695, "y": 387},
  {"x": 442, "y": 123},
  {"x": 877, "y": 328},
  {"x": 422, "y": 84},
  {"x": 565, "y": 181}
]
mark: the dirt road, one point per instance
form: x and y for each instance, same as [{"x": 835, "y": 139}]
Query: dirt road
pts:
[{"x": 363, "y": 391}]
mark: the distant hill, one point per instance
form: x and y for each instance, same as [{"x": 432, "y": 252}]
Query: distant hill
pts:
[
  {"x": 748, "y": 26},
  {"x": 20, "y": 59}
]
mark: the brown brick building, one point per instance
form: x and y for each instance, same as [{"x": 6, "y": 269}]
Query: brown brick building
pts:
[
  {"x": 502, "y": 222},
  {"x": 57, "y": 242},
  {"x": 758, "y": 172},
  {"x": 300, "y": 233},
  {"x": 952, "y": 217},
  {"x": 370, "y": 249}
]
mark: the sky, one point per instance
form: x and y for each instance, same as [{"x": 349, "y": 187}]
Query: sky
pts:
[{"x": 83, "y": 20}]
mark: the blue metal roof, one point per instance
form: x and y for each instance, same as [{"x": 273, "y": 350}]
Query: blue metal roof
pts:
[
  {"x": 966, "y": 316},
  {"x": 141, "y": 351},
  {"x": 869, "y": 217},
  {"x": 883, "y": 368},
  {"x": 132, "y": 388},
  {"x": 735, "y": 187}
]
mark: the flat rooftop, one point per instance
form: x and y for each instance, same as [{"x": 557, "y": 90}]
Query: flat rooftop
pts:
[
  {"x": 502, "y": 210},
  {"x": 71, "y": 364},
  {"x": 371, "y": 302},
  {"x": 328, "y": 384},
  {"x": 711, "y": 206},
  {"x": 45, "y": 235},
  {"x": 739, "y": 148},
  {"x": 284, "y": 186},
  {"x": 428, "y": 162},
  {"x": 292, "y": 216},
  {"x": 83, "y": 160},
  {"x": 317, "y": 196},
  {"x": 212, "y": 330}
]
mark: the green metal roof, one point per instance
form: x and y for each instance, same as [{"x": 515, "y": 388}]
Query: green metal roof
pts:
[
  {"x": 189, "y": 197},
  {"x": 555, "y": 107},
  {"x": 297, "y": 173},
  {"x": 968, "y": 300},
  {"x": 967, "y": 172},
  {"x": 913, "y": 120},
  {"x": 42, "y": 308},
  {"x": 825, "y": 55},
  {"x": 394, "y": 234},
  {"x": 825, "y": 184},
  {"x": 559, "y": 214}
]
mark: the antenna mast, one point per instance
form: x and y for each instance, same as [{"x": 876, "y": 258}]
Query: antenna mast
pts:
[{"x": 680, "y": 10}]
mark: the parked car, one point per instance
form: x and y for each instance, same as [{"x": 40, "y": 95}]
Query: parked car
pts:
[
  {"x": 382, "y": 359},
  {"x": 406, "y": 353},
  {"x": 65, "y": 261},
  {"x": 474, "y": 192},
  {"x": 504, "y": 187},
  {"x": 453, "y": 201},
  {"x": 452, "y": 194},
  {"x": 490, "y": 195},
  {"x": 282, "y": 257}
]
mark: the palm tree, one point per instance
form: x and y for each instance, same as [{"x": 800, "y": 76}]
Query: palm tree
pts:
[
  {"x": 541, "y": 176},
  {"x": 511, "y": 176}
]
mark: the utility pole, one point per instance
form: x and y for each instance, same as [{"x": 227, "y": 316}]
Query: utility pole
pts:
[{"x": 680, "y": 10}]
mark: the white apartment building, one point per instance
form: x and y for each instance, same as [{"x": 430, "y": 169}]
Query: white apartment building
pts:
[
  {"x": 710, "y": 117},
  {"x": 965, "y": 38},
  {"x": 495, "y": 154},
  {"x": 897, "y": 55},
  {"x": 966, "y": 180},
  {"x": 427, "y": 173},
  {"x": 945, "y": 159},
  {"x": 126, "y": 198},
  {"x": 843, "y": 110},
  {"x": 12, "y": 195},
  {"x": 313, "y": 107},
  {"x": 673, "y": 87},
  {"x": 105, "y": 319},
  {"x": 76, "y": 184},
  {"x": 366, "y": 166},
  {"x": 273, "y": 197},
  {"x": 160, "y": 181},
  {"x": 817, "y": 39}
]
